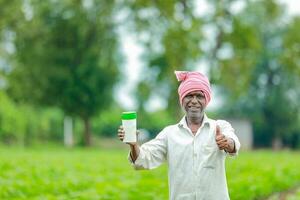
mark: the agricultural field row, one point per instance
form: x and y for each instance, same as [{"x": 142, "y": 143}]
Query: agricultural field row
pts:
[{"x": 106, "y": 174}]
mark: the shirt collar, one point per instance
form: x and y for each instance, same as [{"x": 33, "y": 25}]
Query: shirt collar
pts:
[{"x": 182, "y": 122}]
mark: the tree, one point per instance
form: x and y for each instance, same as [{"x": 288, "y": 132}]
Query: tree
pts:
[
  {"x": 257, "y": 82},
  {"x": 171, "y": 35},
  {"x": 252, "y": 55},
  {"x": 10, "y": 11},
  {"x": 67, "y": 56}
]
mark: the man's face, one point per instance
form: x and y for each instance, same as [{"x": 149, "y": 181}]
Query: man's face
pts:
[{"x": 194, "y": 104}]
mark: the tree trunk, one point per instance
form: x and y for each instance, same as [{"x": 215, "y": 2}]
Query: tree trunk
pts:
[
  {"x": 277, "y": 143},
  {"x": 68, "y": 131},
  {"x": 87, "y": 132}
]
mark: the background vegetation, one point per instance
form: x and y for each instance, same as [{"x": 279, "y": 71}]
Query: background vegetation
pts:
[
  {"x": 63, "y": 58},
  {"x": 79, "y": 174},
  {"x": 67, "y": 58}
]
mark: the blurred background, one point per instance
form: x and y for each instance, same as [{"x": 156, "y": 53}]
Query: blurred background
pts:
[{"x": 69, "y": 68}]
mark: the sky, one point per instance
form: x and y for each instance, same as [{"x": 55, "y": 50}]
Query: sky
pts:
[{"x": 133, "y": 64}]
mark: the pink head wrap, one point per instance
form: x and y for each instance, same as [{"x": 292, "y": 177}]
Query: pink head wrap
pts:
[{"x": 193, "y": 81}]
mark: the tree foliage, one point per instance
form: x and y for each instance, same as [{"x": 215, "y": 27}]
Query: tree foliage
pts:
[
  {"x": 67, "y": 56},
  {"x": 26, "y": 125},
  {"x": 252, "y": 56},
  {"x": 258, "y": 82},
  {"x": 171, "y": 34}
]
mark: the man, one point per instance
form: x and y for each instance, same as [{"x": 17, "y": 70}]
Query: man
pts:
[{"x": 195, "y": 148}]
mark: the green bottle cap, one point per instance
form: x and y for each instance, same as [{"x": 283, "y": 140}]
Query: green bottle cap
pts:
[{"x": 129, "y": 115}]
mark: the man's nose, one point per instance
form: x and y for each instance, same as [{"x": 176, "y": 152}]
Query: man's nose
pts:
[{"x": 194, "y": 99}]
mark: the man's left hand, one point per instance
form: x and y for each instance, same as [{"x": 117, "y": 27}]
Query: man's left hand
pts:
[{"x": 223, "y": 142}]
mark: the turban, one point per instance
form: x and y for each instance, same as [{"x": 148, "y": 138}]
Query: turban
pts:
[{"x": 193, "y": 81}]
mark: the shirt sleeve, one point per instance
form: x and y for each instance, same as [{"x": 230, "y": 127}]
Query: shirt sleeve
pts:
[
  {"x": 152, "y": 154},
  {"x": 228, "y": 131}
]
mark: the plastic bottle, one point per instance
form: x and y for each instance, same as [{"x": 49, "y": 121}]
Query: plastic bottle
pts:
[{"x": 129, "y": 125}]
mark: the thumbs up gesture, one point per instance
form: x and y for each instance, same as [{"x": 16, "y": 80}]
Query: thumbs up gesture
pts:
[{"x": 223, "y": 142}]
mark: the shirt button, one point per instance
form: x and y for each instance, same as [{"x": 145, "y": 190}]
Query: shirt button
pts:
[{"x": 195, "y": 155}]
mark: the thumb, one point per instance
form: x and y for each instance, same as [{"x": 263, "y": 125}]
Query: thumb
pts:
[{"x": 218, "y": 131}]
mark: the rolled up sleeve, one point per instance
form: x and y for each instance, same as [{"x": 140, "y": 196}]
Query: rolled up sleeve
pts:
[
  {"x": 152, "y": 154},
  {"x": 228, "y": 131}
]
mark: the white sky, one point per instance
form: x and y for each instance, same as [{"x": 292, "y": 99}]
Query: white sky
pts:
[{"x": 133, "y": 64}]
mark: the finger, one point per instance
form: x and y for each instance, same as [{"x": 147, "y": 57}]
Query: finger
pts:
[
  {"x": 121, "y": 131},
  {"x": 222, "y": 141},
  {"x": 218, "y": 131},
  {"x": 221, "y": 138},
  {"x": 121, "y": 134},
  {"x": 220, "y": 146},
  {"x": 223, "y": 146},
  {"x": 219, "y": 142}
]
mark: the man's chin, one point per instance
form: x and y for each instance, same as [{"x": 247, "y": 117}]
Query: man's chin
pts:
[{"x": 194, "y": 114}]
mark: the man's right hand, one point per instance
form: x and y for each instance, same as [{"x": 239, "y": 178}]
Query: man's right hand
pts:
[
  {"x": 134, "y": 147},
  {"x": 121, "y": 135}
]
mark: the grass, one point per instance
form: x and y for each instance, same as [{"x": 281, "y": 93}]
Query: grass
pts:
[
  {"x": 258, "y": 174},
  {"x": 295, "y": 196},
  {"x": 106, "y": 174}
]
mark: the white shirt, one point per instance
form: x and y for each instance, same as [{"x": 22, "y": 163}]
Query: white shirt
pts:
[{"x": 195, "y": 163}]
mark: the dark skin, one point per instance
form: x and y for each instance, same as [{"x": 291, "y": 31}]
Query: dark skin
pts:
[
  {"x": 194, "y": 104},
  {"x": 134, "y": 146}
]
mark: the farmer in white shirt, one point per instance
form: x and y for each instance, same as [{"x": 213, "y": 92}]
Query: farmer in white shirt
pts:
[{"x": 194, "y": 149}]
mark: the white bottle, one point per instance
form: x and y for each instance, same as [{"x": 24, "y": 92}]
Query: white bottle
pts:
[{"x": 129, "y": 125}]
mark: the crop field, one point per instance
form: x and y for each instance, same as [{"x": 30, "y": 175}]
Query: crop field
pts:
[{"x": 57, "y": 173}]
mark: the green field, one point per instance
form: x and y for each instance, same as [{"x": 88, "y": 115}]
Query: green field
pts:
[{"x": 105, "y": 174}]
